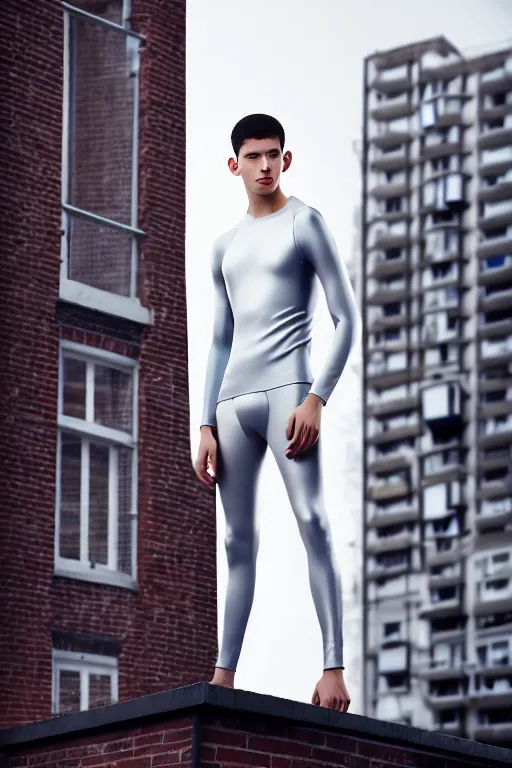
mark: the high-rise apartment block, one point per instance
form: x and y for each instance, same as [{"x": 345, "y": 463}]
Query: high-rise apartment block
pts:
[{"x": 437, "y": 304}]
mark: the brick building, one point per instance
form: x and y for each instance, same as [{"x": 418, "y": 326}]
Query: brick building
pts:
[{"x": 107, "y": 540}]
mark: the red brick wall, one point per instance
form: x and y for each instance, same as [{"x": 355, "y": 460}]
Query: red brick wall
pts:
[
  {"x": 245, "y": 740},
  {"x": 238, "y": 739},
  {"x": 157, "y": 745},
  {"x": 167, "y": 629}
]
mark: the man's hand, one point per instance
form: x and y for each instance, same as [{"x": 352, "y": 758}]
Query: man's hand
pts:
[
  {"x": 304, "y": 427},
  {"x": 331, "y": 691},
  {"x": 207, "y": 458}
]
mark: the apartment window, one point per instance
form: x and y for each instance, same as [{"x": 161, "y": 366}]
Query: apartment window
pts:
[
  {"x": 392, "y": 630},
  {"x": 393, "y": 205},
  {"x": 83, "y": 681},
  {"x": 100, "y": 243},
  {"x": 393, "y": 253},
  {"x": 392, "y": 309},
  {"x": 96, "y": 466}
]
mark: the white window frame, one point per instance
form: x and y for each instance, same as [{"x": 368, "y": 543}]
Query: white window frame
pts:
[
  {"x": 86, "y": 664},
  {"x": 128, "y": 307},
  {"x": 81, "y": 569}
]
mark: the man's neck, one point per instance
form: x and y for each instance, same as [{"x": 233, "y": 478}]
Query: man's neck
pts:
[{"x": 264, "y": 205}]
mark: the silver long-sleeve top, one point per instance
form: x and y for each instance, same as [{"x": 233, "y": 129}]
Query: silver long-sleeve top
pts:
[{"x": 264, "y": 274}]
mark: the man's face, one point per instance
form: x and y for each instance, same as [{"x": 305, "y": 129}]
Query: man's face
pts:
[{"x": 260, "y": 164}]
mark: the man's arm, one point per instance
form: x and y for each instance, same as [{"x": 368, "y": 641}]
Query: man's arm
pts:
[
  {"x": 220, "y": 349},
  {"x": 315, "y": 242}
]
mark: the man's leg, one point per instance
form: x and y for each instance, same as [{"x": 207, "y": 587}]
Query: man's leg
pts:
[
  {"x": 241, "y": 452},
  {"x": 303, "y": 481}
]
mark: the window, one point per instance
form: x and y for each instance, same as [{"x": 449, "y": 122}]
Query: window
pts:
[
  {"x": 83, "y": 681},
  {"x": 100, "y": 243},
  {"x": 392, "y": 309},
  {"x": 96, "y": 466}
]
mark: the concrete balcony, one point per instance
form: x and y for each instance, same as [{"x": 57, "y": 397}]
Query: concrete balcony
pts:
[
  {"x": 499, "y": 408},
  {"x": 399, "y": 405},
  {"x": 494, "y": 162},
  {"x": 496, "y": 300},
  {"x": 442, "y": 609},
  {"x": 392, "y": 463},
  {"x": 388, "y": 491},
  {"x": 377, "y": 546},
  {"x": 395, "y": 434},
  {"x": 455, "y": 728},
  {"x": 497, "y": 437},
  {"x": 445, "y": 475},
  {"x": 388, "y": 571},
  {"x": 499, "y": 328},
  {"x": 390, "y": 80},
  {"x": 432, "y": 670},
  {"x": 446, "y": 581},
  {"x": 385, "y": 295},
  {"x": 499, "y": 605},
  {"x": 494, "y": 192},
  {"x": 407, "y": 514},
  {"x": 388, "y": 189},
  {"x": 446, "y": 701},
  {"x": 494, "y": 670},
  {"x": 497, "y": 79},
  {"x": 496, "y": 137},
  {"x": 495, "y": 351},
  {"x": 457, "y": 552},
  {"x": 492, "y": 275},
  {"x": 388, "y": 161},
  {"x": 393, "y": 107},
  {"x": 385, "y": 379},
  {"x": 495, "y": 489},
  {"x": 435, "y": 147},
  {"x": 494, "y": 513},
  {"x": 490, "y": 700},
  {"x": 494, "y": 733},
  {"x": 497, "y": 213},
  {"x": 385, "y": 268},
  {"x": 390, "y": 238}
]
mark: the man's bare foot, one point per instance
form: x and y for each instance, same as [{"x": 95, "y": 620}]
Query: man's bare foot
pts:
[
  {"x": 225, "y": 677},
  {"x": 331, "y": 691}
]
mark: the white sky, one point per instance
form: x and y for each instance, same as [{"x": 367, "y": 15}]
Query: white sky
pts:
[{"x": 302, "y": 63}]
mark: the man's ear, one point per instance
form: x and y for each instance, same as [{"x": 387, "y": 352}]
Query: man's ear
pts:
[
  {"x": 287, "y": 160},
  {"x": 233, "y": 166}
]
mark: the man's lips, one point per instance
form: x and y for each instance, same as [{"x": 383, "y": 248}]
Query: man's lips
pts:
[{"x": 265, "y": 180}]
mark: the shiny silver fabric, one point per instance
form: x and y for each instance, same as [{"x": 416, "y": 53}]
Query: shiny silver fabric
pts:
[
  {"x": 246, "y": 426},
  {"x": 264, "y": 273}
]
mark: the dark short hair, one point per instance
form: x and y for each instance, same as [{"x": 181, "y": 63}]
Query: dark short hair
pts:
[{"x": 256, "y": 127}]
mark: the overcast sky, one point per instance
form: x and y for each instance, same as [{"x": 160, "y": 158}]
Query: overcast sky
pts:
[{"x": 302, "y": 63}]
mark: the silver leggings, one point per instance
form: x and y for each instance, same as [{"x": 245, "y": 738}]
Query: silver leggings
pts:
[{"x": 246, "y": 425}]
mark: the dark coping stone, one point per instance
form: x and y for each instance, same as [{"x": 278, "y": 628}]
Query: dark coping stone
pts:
[{"x": 207, "y": 699}]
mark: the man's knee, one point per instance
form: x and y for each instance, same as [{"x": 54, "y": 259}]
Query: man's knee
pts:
[
  {"x": 315, "y": 530},
  {"x": 240, "y": 546}
]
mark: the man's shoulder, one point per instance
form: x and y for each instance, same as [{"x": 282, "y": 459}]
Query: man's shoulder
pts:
[
  {"x": 222, "y": 241},
  {"x": 304, "y": 213}
]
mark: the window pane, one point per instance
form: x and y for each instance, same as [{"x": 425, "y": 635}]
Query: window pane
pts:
[
  {"x": 100, "y": 690},
  {"x": 101, "y": 125},
  {"x": 98, "y": 503},
  {"x": 70, "y": 477},
  {"x": 69, "y": 691},
  {"x": 112, "y": 10},
  {"x": 99, "y": 256},
  {"x": 113, "y": 398},
  {"x": 74, "y": 388},
  {"x": 125, "y": 510}
]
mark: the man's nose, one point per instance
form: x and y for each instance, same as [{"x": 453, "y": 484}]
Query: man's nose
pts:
[{"x": 265, "y": 164}]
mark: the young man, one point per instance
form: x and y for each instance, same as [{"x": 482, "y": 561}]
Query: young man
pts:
[{"x": 260, "y": 390}]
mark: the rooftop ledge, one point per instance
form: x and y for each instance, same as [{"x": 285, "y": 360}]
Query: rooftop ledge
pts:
[{"x": 240, "y": 719}]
